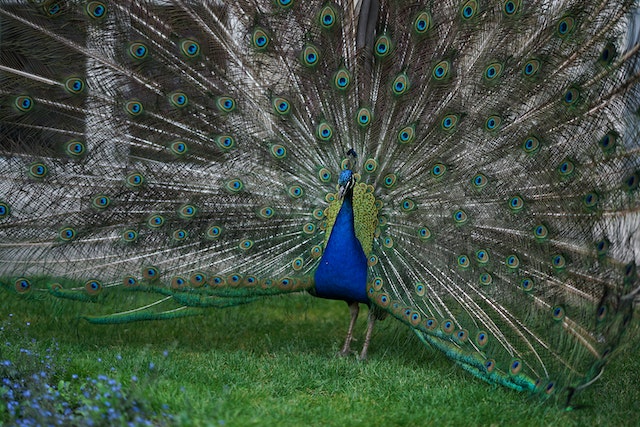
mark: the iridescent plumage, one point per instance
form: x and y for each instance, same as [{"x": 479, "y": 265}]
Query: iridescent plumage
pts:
[{"x": 470, "y": 168}]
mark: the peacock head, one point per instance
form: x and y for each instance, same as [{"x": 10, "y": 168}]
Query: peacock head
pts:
[{"x": 346, "y": 182}]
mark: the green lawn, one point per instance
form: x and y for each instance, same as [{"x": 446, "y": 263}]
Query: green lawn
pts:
[{"x": 274, "y": 362}]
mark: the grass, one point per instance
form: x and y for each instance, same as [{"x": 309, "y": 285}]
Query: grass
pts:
[{"x": 274, "y": 362}]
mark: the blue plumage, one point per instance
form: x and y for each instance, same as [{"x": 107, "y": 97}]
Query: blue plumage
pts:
[{"x": 342, "y": 271}]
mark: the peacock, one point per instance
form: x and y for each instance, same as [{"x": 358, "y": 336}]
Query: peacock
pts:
[{"x": 469, "y": 168}]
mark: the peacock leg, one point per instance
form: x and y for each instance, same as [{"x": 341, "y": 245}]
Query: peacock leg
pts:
[
  {"x": 371, "y": 320},
  {"x": 354, "y": 309}
]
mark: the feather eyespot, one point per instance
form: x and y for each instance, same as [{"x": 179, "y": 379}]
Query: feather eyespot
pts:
[
  {"x": 631, "y": 181},
  {"x": 400, "y": 84},
  {"x": 225, "y": 141},
  {"x": 138, "y": 50},
  {"x": 407, "y": 134},
  {"x": 557, "y": 313},
  {"x": 197, "y": 280},
  {"x": 422, "y": 23},
  {"x": 100, "y": 201},
  {"x": 540, "y": 232},
  {"x": 342, "y": 79},
  {"x": 469, "y": 9},
  {"x": 285, "y": 4},
  {"x": 527, "y": 284},
  {"x": 295, "y": 191},
  {"x": 531, "y": 67},
  {"x": 23, "y": 103},
  {"x": 482, "y": 256},
  {"x": 447, "y": 326},
  {"x": 558, "y": 262},
  {"x": 5, "y": 211},
  {"x": 235, "y": 186},
  {"x": 493, "y": 123},
  {"x": 364, "y": 117},
  {"x": 565, "y": 26},
  {"x": 281, "y": 106},
  {"x": 278, "y": 151},
  {"x": 297, "y": 263},
  {"x": 463, "y": 261},
  {"x": 178, "y": 99},
  {"x": 246, "y": 244},
  {"x": 93, "y": 287},
  {"x": 129, "y": 236},
  {"x": 382, "y": 46},
  {"x": 67, "y": 234},
  {"x": 129, "y": 281},
  {"x": 187, "y": 211},
  {"x": 608, "y": 142},
  {"x": 370, "y": 165},
  {"x": 324, "y": 131},
  {"x": 480, "y": 181},
  {"x": 512, "y": 261},
  {"x": 590, "y": 200},
  {"x": 460, "y": 216},
  {"x": 266, "y": 212},
  {"x": 324, "y": 174},
  {"x": 214, "y": 231},
  {"x": 96, "y": 9},
  {"x": 482, "y": 339},
  {"x": 566, "y": 168},
  {"x": 407, "y": 205},
  {"x": 150, "y": 273},
  {"x": 438, "y": 170},
  {"x": 383, "y": 300},
  {"x": 511, "y": 7},
  {"x": 486, "y": 279},
  {"x": 608, "y": 54},
  {"x": 75, "y": 148},
  {"x": 179, "y": 235},
  {"x": 441, "y": 70},
  {"x": 515, "y": 367},
  {"x": 316, "y": 251},
  {"x": 531, "y": 145},
  {"x": 602, "y": 246},
  {"x": 133, "y": 108},
  {"x": 74, "y": 85},
  {"x": 225, "y": 104},
  {"x": 490, "y": 365},
  {"x": 260, "y": 39},
  {"x": 155, "y": 221},
  {"x": 327, "y": 17},
  {"x": 389, "y": 180},
  {"x": 415, "y": 318},
  {"x": 52, "y": 9},
  {"x": 38, "y": 170},
  {"x": 462, "y": 335},
  {"x": 449, "y": 122},
  {"x": 424, "y": 233},
  {"x": 310, "y": 56},
  {"x": 178, "y": 282},
  {"x": 492, "y": 72},
  {"x": 190, "y": 48},
  {"x": 516, "y": 204},
  {"x": 571, "y": 96}
]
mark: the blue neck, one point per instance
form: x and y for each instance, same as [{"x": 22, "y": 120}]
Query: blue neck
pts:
[{"x": 342, "y": 273}]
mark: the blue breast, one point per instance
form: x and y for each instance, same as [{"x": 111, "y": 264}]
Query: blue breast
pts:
[{"x": 342, "y": 273}]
